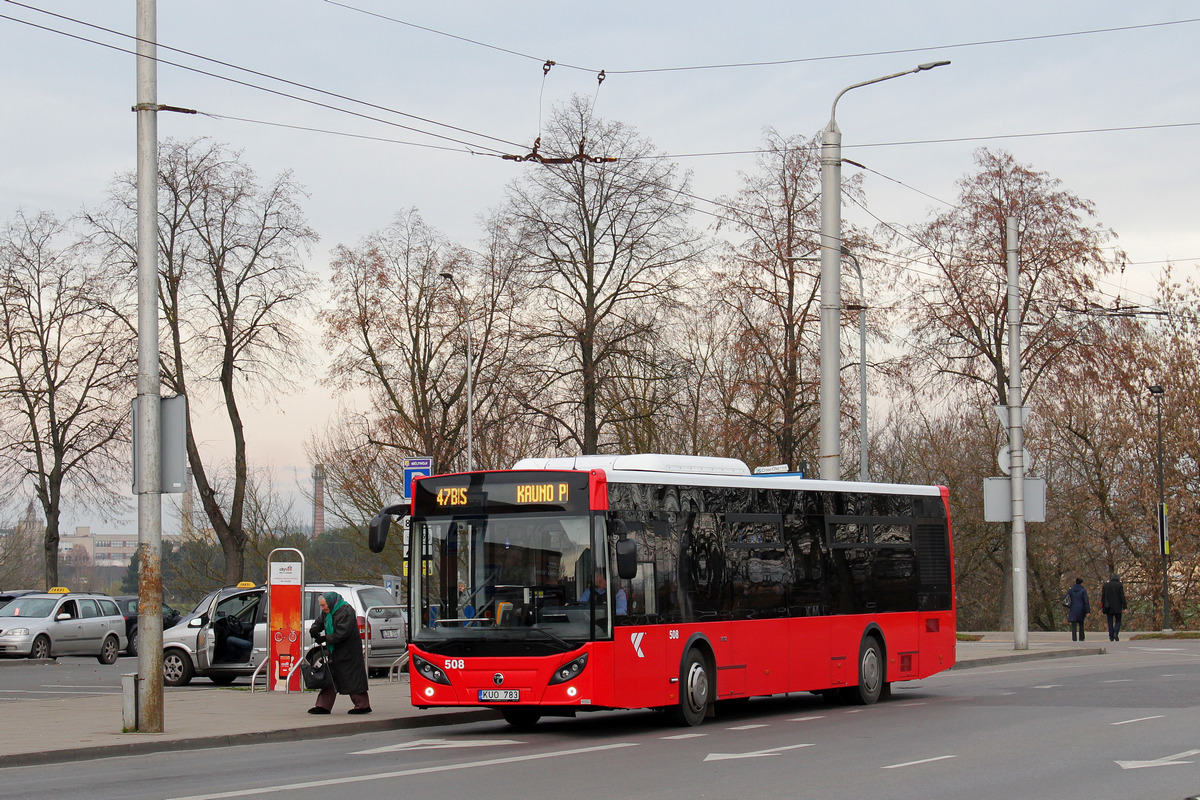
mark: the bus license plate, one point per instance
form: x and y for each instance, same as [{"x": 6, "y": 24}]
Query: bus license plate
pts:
[
  {"x": 388, "y": 634},
  {"x": 502, "y": 695}
]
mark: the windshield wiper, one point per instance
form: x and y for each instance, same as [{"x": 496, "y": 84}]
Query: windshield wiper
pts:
[{"x": 554, "y": 637}]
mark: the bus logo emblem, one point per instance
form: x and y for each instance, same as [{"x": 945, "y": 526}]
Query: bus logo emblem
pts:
[
  {"x": 636, "y": 638},
  {"x": 498, "y": 678}
]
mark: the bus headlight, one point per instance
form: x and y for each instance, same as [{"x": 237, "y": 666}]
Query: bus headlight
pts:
[
  {"x": 569, "y": 671},
  {"x": 429, "y": 672}
]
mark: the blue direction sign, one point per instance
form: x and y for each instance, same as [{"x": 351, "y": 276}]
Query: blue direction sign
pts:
[{"x": 413, "y": 468}]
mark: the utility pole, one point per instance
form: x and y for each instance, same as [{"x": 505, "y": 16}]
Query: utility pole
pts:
[
  {"x": 149, "y": 487},
  {"x": 1016, "y": 443}
]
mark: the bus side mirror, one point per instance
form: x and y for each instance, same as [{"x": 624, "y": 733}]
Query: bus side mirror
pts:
[
  {"x": 626, "y": 559},
  {"x": 377, "y": 533}
]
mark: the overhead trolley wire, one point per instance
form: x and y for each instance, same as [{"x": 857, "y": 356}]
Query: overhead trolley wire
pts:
[
  {"x": 259, "y": 74},
  {"x": 773, "y": 63}
]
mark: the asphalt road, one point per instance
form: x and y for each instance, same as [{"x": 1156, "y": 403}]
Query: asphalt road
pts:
[
  {"x": 1118, "y": 726},
  {"x": 21, "y": 679}
]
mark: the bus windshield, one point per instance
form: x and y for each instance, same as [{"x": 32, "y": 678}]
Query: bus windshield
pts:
[{"x": 519, "y": 577}]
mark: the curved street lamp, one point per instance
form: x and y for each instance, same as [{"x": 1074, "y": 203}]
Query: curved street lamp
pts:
[{"x": 831, "y": 287}]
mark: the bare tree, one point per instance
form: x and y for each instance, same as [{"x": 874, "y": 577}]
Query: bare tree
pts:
[
  {"x": 605, "y": 247},
  {"x": 959, "y": 324},
  {"x": 233, "y": 290},
  {"x": 66, "y": 366},
  {"x": 390, "y": 330}
]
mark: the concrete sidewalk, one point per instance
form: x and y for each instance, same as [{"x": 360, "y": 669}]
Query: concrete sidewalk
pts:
[{"x": 85, "y": 727}]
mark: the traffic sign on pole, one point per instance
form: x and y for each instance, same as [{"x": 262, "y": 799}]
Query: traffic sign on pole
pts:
[{"x": 414, "y": 468}]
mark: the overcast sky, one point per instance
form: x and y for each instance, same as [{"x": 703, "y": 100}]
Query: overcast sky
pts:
[{"x": 1020, "y": 69}]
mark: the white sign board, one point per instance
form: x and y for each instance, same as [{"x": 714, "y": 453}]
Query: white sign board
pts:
[{"x": 997, "y": 499}]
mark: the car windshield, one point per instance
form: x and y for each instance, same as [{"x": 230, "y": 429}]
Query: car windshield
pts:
[
  {"x": 29, "y": 607},
  {"x": 510, "y": 577}
]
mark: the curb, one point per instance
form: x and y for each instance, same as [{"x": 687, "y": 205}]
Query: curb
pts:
[
  {"x": 263, "y": 737},
  {"x": 991, "y": 661},
  {"x": 24, "y": 662}
]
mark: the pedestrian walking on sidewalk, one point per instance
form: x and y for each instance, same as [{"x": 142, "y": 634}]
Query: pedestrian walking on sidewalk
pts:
[
  {"x": 337, "y": 627},
  {"x": 1078, "y": 608},
  {"x": 1112, "y": 603}
]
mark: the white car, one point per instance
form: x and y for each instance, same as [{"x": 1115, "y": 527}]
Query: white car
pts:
[
  {"x": 225, "y": 636},
  {"x": 62, "y": 623}
]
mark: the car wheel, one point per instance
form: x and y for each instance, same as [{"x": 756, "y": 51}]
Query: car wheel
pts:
[
  {"x": 41, "y": 647},
  {"x": 131, "y": 648},
  {"x": 177, "y": 668},
  {"x": 222, "y": 680},
  {"x": 694, "y": 689},
  {"x": 109, "y": 650}
]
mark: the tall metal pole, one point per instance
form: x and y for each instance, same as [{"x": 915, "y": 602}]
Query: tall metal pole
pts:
[
  {"x": 149, "y": 489},
  {"x": 470, "y": 387},
  {"x": 862, "y": 367},
  {"x": 1016, "y": 444},
  {"x": 1164, "y": 544},
  {"x": 831, "y": 280}
]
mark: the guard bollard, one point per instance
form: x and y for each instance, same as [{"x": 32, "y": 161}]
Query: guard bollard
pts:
[{"x": 129, "y": 711}]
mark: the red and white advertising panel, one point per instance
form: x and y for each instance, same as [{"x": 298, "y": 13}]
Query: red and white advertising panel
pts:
[{"x": 285, "y": 627}]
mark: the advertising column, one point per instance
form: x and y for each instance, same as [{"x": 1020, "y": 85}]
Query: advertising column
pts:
[{"x": 285, "y": 592}]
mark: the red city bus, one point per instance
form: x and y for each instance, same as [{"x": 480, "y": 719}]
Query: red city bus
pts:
[{"x": 669, "y": 582}]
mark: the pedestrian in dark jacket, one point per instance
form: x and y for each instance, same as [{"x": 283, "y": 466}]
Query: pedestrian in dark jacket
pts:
[
  {"x": 1112, "y": 603},
  {"x": 1079, "y": 609},
  {"x": 337, "y": 627}
]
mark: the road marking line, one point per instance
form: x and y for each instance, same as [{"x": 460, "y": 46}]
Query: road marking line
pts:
[
  {"x": 1166, "y": 761},
  {"x": 914, "y": 763},
  {"x": 910, "y": 705},
  {"x": 805, "y": 719},
  {"x": 1049, "y": 686},
  {"x": 746, "y": 727},
  {"x": 436, "y": 744},
  {"x": 1119, "y": 680},
  {"x": 854, "y": 711},
  {"x": 403, "y": 773},
  {"x": 684, "y": 736},
  {"x": 1139, "y": 719},
  {"x": 773, "y": 751}
]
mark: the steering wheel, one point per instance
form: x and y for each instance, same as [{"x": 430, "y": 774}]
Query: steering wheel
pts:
[{"x": 236, "y": 626}]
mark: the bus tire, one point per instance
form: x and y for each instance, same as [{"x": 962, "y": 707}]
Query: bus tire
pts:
[
  {"x": 871, "y": 673},
  {"x": 521, "y": 718},
  {"x": 695, "y": 689}
]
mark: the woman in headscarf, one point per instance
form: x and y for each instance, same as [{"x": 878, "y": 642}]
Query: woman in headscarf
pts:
[{"x": 337, "y": 627}]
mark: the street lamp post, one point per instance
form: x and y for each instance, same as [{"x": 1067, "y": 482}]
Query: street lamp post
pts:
[
  {"x": 1164, "y": 545},
  {"x": 831, "y": 288},
  {"x": 862, "y": 367},
  {"x": 470, "y": 391}
]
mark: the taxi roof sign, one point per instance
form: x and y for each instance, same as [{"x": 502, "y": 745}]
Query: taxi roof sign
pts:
[
  {"x": 59, "y": 590},
  {"x": 246, "y": 585}
]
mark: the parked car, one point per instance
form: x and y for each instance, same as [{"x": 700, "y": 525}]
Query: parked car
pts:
[
  {"x": 8, "y": 595},
  {"x": 129, "y": 607},
  {"x": 225, "y": 636},
  {"x": 62, "y": 623}
]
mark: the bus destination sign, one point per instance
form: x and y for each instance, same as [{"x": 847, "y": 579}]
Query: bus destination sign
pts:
[{"x": 502, "y": 492}]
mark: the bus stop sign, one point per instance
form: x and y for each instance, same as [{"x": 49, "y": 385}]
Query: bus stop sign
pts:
[{"x": 414, "y": 468}]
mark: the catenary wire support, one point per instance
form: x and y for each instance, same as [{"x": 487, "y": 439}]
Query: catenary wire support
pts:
[{"x": 581, "y": 156}]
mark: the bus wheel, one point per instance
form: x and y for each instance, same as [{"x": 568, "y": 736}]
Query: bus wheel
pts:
[
  {"x": 870, "y": 673},
  {"x": 694, "y": 689},
  {"x": 522, "y": 718}
]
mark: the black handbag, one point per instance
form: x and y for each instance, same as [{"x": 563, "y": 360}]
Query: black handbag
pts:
[{"x": 316, "y": 676}]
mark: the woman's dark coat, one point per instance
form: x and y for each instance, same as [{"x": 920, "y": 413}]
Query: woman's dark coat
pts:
[
  {"x": 1080, "y": 606},
  {"x": 346, "y": 663}
]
